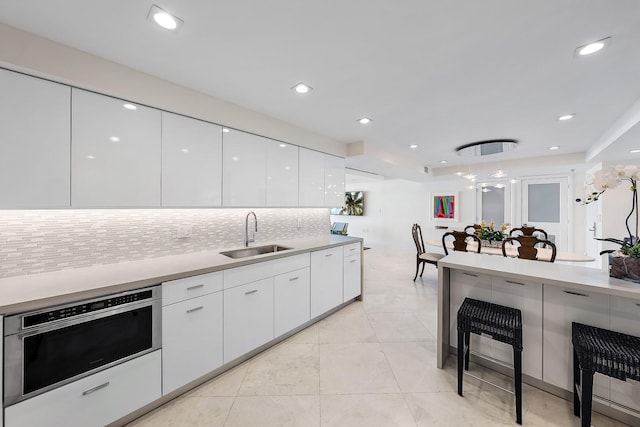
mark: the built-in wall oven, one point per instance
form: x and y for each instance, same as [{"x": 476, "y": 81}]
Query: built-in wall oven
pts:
[{"x": 47, "y": 348}]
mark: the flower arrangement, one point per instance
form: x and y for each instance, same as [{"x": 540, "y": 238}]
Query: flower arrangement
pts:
[
  {"x": 608, "y": 178},
  {"x": 488, "y": 232}
]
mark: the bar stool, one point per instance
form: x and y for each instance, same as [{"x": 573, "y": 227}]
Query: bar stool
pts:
[
  {"x": 503, "y": 324},
  {"x": 614, "y": 354}
]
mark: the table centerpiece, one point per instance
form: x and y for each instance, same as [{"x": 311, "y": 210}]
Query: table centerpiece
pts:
[{"x": 489, "y": 237}]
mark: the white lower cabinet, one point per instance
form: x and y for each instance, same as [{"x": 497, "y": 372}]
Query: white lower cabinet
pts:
[
  {"x": 477, "y": 286},
  {"x": 96, "y": 400},
  {"x": 527, "y": 297},
  {"x": 625, "y": 318},
  {"x": 191, "y": 340},
  {"x": 292, "y": 300},
  {"x": 352, "y": 277},
  {"x": 326, "y": 280},
  {"x": 563, "y": 306},
  {"x": 248, "y": 317}
]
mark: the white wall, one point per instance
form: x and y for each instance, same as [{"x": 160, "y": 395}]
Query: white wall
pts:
[{"x": 393, "y": 206}]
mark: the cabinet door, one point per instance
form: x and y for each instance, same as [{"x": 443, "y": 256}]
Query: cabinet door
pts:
[
  {"x": 191, "y": 162},
  {"x": 352, "y": 282},
  {"x": 333, "y": 181},
  {"x": 527, "y": 297},
  {"x": 244, "y": 169},
  {"x": 292, "y": 299},
  {"x": 311, "y": 184},
  {"x": 248, "y": 317},
  {"x": 561, "y": 307},
  {"x": 326, "y": 280},
  {"x": 282, "y": 174},
  {"x": 34, "y": 142},
  {"x": 625, "y": 318},
  {"x": 191, "y": 340},
  {"x": 96, "y": 400},
  {"x": 467, "y": 284},
  {"x": 115, "y": 153}
]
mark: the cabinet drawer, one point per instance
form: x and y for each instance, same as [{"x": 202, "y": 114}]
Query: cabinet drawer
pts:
[
  {"x": 352, "y": 277},
  {"x": 352, "y": 249},
  {"x": 96, "y": 400},
  {"x": 191, "y": 340},
  {"x": 470, "y": 278},
  {"x": 250, "y": 273},
  {"x": 292, "y": 300},
  {"x": 248, "y": 317},
  {"x": 191, "y": 287}
]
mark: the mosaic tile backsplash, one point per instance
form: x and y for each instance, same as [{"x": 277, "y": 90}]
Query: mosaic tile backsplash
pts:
[{"x": 37, "y": 241}]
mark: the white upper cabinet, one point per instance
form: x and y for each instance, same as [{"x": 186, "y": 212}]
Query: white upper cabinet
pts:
[
  {"x": 191, "y": 162},
  {"x": 311, "y": 178},
  {"x": 333, "y": 181},
  {"x": 115, "y": 152},
  {"x": 282, "y": 174},
  {"x": 34, "y": 142},
  {"x": 244, "y": 169}
]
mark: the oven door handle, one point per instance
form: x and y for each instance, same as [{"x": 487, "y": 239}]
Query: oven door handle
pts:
[{"x": 96, "y": 388}]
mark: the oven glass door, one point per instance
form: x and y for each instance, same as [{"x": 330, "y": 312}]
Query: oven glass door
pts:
[{"x": 63, "y": 353}]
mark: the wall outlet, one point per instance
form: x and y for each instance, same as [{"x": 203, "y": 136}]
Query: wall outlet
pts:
[{"x": 184, "y": 231}]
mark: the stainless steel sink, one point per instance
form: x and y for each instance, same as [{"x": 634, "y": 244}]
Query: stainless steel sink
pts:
[{"x": 255, "y": 250}]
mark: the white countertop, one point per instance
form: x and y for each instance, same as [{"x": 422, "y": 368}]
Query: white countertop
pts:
[
  {"x": 22, "y": 293},
  {"x": 568, "y": 276}
]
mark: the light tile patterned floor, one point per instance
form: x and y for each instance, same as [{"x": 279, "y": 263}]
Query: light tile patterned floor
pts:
[{"x": 371, "y": 364}]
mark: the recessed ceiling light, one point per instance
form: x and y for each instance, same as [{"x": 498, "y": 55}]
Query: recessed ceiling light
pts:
[
  {"x": 459, "y": 173},
  {"x": 470, "y": 176},
  {"x": 90, "y": 157},
  {"x": 555, "y": 147},
  {"x": 302, "y": 88},
  {"x": 566, "y": 117},
  {"x": 413, "y": 146},
  {"x": 635, "y": 151},
  {"x": 472, "y": 187},
  {"x": 364, "y": 121},
  {"x": 498, "y": 174},
  {"x": 114, "y": 139},
  {"x": 164, "y": 18},
  {"x": 443, "y": 161},
  {"x": 185, "y": 150},
  {"x": 594, "y": 47},
  {"x": 225, "y": 130},
  {"x": 129, "y": 106},
  {"x": 282, "y": 145}
]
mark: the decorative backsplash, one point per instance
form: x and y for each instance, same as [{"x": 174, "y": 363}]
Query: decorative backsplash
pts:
[{"x": 37, "y": 241}]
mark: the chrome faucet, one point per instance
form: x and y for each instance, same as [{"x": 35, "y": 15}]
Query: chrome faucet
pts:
[{"x": 246, "y": 229}]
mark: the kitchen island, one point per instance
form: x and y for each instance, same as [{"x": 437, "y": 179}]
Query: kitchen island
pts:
[{"x": 551, "y": 297}]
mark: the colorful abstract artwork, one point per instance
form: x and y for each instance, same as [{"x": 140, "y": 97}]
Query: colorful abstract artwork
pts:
[{"x": 445, "y": 207}]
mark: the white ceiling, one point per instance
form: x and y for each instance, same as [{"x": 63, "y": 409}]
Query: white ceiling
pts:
[{"x": 435, "y": 73}]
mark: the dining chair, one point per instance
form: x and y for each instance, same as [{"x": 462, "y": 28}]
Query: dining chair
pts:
[
  {"x": 527, "y": 247},
  {"x": 422, "y": 257},
  {"x": 460, "y": 241},
  {"x": 474, "y": 228},
  {"x": 528, "y": 231}
]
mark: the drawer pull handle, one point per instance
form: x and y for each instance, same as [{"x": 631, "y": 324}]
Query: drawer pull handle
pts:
[
  {"x": 638, "y": 305},
  {"x": 328, "y": 255},
  {"x": 352, "y": 249},
  {"x": 191, "y": 310},
  {"x": 353, "y": 260},
  {"x": 470, "y": 274},
  {"x": 251, "y": 292},
  {"x": 576, "y": 293},
  {"x": 96, "y": 388},
  {"x": 294, "y": 278},
  {"x": 191, "y": 288},
  {"x": 514, "y": 283}
]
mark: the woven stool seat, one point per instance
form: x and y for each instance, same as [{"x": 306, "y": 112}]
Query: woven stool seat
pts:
[
  {"x": 503, "y": 323},
  {"x": 610, "y": 353}
]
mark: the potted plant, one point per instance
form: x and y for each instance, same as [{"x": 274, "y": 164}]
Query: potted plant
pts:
[
  {"x": 489, "y": 236},
  {"x": 624, "y": 262}
]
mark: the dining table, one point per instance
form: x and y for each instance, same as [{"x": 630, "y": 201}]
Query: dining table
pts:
[{"x": 544, "y": 254}]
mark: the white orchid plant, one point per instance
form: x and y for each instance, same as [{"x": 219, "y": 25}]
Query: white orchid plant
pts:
[{"x": 608, "y": 178}]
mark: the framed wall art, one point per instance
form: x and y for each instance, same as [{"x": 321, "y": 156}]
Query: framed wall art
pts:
[{"x": 445, "y": 206}]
